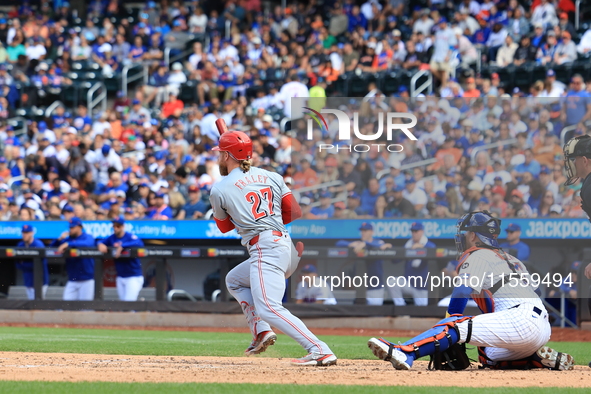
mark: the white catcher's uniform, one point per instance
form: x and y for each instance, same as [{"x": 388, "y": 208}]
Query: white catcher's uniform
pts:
[
  {"x": 518, "y": 323},
  {"x": 253, "y": 202}
]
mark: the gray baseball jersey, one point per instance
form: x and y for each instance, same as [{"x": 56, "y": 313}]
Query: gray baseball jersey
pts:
[{"x": 251, "y": 199}]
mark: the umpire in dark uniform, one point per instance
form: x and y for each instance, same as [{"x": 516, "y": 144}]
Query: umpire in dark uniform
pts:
[{"x": 577, "y": 163}]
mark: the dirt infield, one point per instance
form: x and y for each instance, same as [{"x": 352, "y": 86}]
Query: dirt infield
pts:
[
  {"x": 91, "y": 367},
  {"x": 558, "y": 334}
]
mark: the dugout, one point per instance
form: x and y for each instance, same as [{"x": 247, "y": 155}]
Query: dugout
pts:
[{"x": 185, "y": 264}]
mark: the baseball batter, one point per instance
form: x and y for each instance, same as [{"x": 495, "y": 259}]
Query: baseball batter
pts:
[
  {"x": 513, "y": 329},
  {"x": 258, "y": 204},
  {"x": 577, "y": 154}
]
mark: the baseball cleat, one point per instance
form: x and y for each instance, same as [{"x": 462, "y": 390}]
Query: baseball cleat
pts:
[
  {"x": 552, "y": 359},
  {"x": 384, "y": 350},
  {"x": 261, "y": 343},
  {"x": 316, "y": 359}
]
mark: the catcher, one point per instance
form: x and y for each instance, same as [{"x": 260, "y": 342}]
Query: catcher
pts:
[{"x": 513, "y": 329}]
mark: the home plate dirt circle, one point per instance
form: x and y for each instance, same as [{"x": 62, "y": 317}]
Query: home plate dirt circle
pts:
[{"x": 125, "y": 368}]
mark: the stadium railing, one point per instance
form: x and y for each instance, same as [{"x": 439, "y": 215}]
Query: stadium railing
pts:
[
  {"x": 101, "y": 97},
  {"x": 139, "y": 70},
  {"x": 487, "y": 147}
]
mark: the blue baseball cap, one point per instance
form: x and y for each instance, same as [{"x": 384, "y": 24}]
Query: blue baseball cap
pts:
[
  {"x": 484, "y": 200},
  {"x": 575, "y": 266},
  {"x": 27, "y": 228},
  {"x": 120, "y": 220},
  {"x": 42, "y": 126},
  {"x": 449, "y": 185},
  {"x": 416, "y": 226},
  {"x": 2, "y": 159},
  {"x": 354, "y": 195},
  {"x": 106, "y": 149},
  {"x": 513, "y": 227},
  {"x": 75, "y": 221},
  {"x": 550, "y": 73},
  {"x": 442, "y": 203},
  {"x": 176, "y": 22},
  {"x": 136, "y": 101},
  {"x": 309, "y": 268},
  {"x": 442, "y": 20},
  {"x": 440, "y": 195},
  {"x": 128, "y": 210},
  {"x": 366, "y": 226},
  {"x": 498, "y": 178},
  {"x": 545, "y": 170},
  {"x": 411, "y": 180},
  {"x": 474, "y": 131},
  {"x": 399, "y": 188},
  {"x": 326, "y": 195},
  {"x": 159, "y": 195},
  {"x": 67, "y": 208}
]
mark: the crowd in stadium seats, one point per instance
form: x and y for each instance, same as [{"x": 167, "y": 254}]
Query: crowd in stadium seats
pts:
[{"x": 149, "y": 154}]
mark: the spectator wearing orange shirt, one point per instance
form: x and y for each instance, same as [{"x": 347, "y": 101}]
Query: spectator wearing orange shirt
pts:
[
  {"x": 471, "y": 90},
  {"x": 173, "y": 105},
  {"x": 547, "y": 150},
  {"x": 447, "y": 148},
  {"x": 306, "y": 176},
  {"x": 4, "y": 170},
  {"x": 329, "y": 73}
]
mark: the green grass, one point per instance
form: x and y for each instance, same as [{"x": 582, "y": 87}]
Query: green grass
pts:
[
  {"x": 185, "y": 343},
  {"x": 214, "y": 388}
]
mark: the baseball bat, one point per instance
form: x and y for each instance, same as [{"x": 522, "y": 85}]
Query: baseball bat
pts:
[{"x": 221, "y": 125}]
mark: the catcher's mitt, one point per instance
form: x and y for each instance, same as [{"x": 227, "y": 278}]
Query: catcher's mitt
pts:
[{"x": 453, "y": 359}]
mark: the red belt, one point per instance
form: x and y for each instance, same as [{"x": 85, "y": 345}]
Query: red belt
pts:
[{"x": 255, "y": 239}]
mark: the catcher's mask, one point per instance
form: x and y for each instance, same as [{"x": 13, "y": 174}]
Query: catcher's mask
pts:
[
  {"x": 575, "y": 147},
  {"x": 486, "y": 227}
]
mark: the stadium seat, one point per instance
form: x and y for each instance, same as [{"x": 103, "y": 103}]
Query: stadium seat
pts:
[
  {"x": 188, "y": 92},
  {"x": 389, "y": 83},
  {"x": 582, "y": 67},
  {"x": 539, "y": 72},
  {"x": 523, "y": 76},
  {"x": 357, "y": 85},
  {"x": 563, "y": 72}
]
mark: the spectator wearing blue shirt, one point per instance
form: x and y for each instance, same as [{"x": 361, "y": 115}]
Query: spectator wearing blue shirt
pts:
[
  {"x": 373, "y": 268},
  {"x": 577, "y": 103},
  {"x": 161, "y": 211},
  {"x": 80, "y": 286},
  {"x": 83, "y": 122},
  {"x": 196, "y": 207},
  {"x": 514, "y": 242},
  {"x": 414, "y": 268},
  {"x": 356, "y": 19},
  {"x": 530, "y": 165},
  {"x": 474, "y": 141},
  {"x": 11, "y": 138},
  {"x": 325, "y": 210},
  {"x": 130, "y": 277},
  {"x": 369, "y": 197},
  {"x": 29, "y": 241}
]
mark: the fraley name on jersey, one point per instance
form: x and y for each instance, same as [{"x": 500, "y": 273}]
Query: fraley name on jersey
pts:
[{"x": 250, "y": 179}]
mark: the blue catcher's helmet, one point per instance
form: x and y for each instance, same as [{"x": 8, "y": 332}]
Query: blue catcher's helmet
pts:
[{"x": 486, "y": 227}]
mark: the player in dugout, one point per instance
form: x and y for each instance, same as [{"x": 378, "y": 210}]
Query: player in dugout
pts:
[{"x": 130, "y": 278}]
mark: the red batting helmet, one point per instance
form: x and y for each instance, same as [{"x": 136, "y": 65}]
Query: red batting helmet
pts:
[{"x": 237, "y": 144}]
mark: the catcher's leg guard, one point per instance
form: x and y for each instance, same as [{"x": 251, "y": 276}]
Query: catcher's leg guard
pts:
[{"x": 436, "y": 340}]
